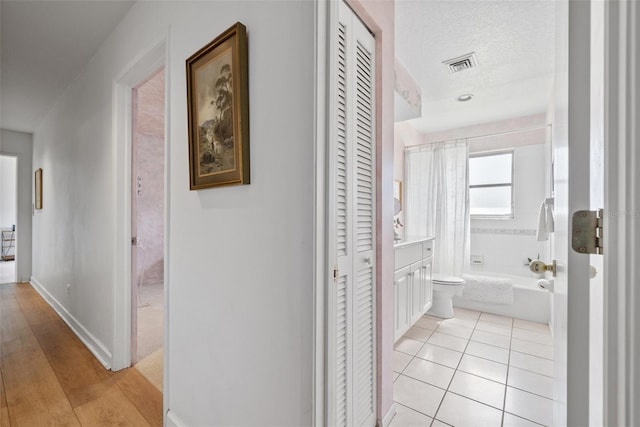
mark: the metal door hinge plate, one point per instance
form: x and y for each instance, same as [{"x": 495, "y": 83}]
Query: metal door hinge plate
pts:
[{"x": 587, "y": 232}]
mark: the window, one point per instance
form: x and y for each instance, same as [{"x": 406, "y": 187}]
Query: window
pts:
[{"x": 491, "y": 184}]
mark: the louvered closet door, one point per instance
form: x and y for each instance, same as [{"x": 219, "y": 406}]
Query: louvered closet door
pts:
[{"x": 351, "y": 349}]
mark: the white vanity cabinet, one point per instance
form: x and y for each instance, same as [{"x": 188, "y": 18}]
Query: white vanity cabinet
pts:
[{"x": 412, "y": 282}]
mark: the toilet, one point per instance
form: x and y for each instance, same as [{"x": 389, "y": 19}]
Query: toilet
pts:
[{"x": 444, "y": 288}]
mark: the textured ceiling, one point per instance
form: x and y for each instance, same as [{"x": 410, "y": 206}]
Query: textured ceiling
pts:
[
  {"x": 514, "y": 42},
  {"x": 44, "y": 46}
]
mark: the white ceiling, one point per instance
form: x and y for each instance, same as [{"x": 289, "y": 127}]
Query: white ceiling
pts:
[
  {"x": 44, "y": 46},
  {"x": 514, "y": 42}
]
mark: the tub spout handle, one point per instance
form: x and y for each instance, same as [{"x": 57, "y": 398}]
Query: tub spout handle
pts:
[
  {"x": 546, "y": 285},
  {"x": 540, "y": 267}
]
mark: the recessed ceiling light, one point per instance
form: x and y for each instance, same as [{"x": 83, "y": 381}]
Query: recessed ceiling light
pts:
[{"x": 466, "y": 97}]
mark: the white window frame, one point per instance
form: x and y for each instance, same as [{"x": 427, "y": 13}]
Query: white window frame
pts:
[{"x": 510, "y": 215}]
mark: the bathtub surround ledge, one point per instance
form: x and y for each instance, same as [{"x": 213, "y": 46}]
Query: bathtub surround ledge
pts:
[{"x": 529, "y": 302}]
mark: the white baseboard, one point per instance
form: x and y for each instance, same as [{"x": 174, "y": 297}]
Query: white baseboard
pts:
[
  {"x": 172, "y": 420},
  {"x": 386, "y": 420},
  {"x": 96, "y": 347}
]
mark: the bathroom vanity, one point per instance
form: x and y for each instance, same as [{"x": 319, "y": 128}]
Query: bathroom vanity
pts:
[{"x": 412, "y": 281}]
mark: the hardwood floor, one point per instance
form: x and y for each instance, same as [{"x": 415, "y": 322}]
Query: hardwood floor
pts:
[{"x": 49, "y": 378}]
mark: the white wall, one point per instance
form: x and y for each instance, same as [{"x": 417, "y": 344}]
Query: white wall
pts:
[
  {"x": 21, "y": 145},
  {"x": 8, "y": 190},
  {"x": 241, "y": 258},
  {"x": 505, "y": 244}
]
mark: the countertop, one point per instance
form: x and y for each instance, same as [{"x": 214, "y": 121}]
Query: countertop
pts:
[{"x": 410, "y": 240}]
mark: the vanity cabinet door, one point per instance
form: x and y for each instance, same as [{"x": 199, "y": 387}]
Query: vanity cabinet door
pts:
[
  {"x": 416, "y": 294},
  {"x": 401, "y": 293},
  {"x": 426, "y": 285}
]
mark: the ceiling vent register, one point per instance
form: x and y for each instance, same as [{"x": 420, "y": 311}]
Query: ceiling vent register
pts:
[{"x": 461, "y": 63}]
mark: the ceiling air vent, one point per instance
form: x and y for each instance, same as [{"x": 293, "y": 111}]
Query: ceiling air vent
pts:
[{"x": 461, "y": 63}]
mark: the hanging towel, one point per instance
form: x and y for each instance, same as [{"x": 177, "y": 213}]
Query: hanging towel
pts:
[
  {"x": 542, "y": 233},
  {"x": 550, "y": 223},
  {"x": 546, "y": 223},
  {"x": 495, "y": 290}
]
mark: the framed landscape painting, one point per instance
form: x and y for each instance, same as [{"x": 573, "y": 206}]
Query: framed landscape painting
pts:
[{"x": 218, "y": 111}]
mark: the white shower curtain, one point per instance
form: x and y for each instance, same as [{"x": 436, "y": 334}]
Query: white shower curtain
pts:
[{"x": 437, "y": 201}]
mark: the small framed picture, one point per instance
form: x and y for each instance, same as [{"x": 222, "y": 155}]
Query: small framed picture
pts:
[
  {"x": 218, "y": 111},
  {"x": 38, "y": 188}
]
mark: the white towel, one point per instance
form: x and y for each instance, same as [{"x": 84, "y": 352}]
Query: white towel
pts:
[
  {"x": 550, "y": 223},
  {"x": 542, "y": 234},
  {"x": 545, "y": 222},
  {"x": 495, "y": 290}
]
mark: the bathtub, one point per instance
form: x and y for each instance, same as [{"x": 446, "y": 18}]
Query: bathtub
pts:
[{"x": 529, "y": 302}]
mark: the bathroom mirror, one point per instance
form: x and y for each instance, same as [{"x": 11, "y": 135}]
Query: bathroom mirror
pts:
[{"x": 397, "y": 197}]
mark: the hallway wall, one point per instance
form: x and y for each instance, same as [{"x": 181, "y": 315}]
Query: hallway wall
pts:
[
  {"x": 21, "y": 144},
  {"x": 241, "y": 258}
]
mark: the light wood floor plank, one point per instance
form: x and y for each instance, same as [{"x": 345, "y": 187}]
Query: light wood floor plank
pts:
[
  {"x": 34, "y": 396},
  {"x": 3, "y": 397},
  {"x": 12, "y": 324},
  {"x": 4, "y": 418},
  {"x": 49, "y": 378},
  {"x": 34, "y": 308},
  {"x": 112, "y": 409},
  {"x": 144, "y": 395},
  {"x": 81, "y": 376},
  {"x": 4, "y": 410}
]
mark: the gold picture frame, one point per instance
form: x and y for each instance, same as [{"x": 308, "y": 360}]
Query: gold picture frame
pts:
[
  {"x": 218, "y": 111},
  {"x": 38, "y": 188}
]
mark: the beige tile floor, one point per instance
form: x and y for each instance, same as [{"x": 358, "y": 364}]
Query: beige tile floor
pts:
[
  {"x": 150, "y": 320},
  {"x": 476, "y": 369},
  {"x": 150, "y": 333}
]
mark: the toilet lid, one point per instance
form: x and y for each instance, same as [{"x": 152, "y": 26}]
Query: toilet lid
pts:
[{"x": 446, "y": 279}]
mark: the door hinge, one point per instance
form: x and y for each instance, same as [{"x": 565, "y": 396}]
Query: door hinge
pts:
[
  {"x": 335, "y": 273},
  {"x": 587, "y": 232},
  {"x": 134, "y": 241}
]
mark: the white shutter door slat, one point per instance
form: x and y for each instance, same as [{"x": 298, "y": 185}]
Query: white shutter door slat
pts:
[
  {"x": 364, "y": 348},
  {"x": 352, "y": 235},
  {"x": 341, "y": 352},
  {"x": 342, "y": 170},
  {"x": 365, "y": 149},
  {"x": 364, "y": 299},
  {"x": 344, "y": 229}
]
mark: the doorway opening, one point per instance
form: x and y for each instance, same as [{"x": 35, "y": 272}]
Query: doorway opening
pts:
[
  {"x": 148, "y": 226},
  {"x": 8, "y": 217},
  {"x": 473, "y": 172}
]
